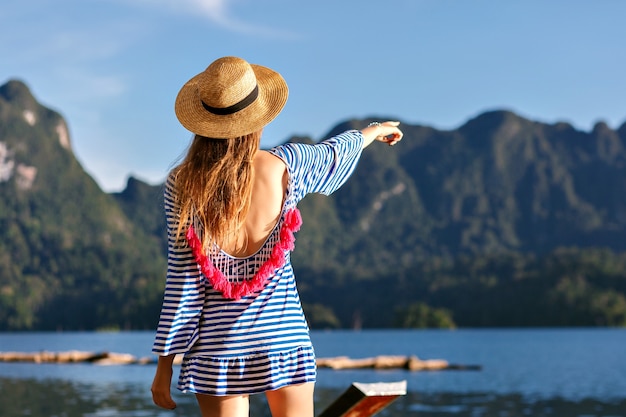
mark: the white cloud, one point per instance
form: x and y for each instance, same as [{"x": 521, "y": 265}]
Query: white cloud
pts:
[
  {"x": 85, "y": 84},
  {"x": 73, "y": 61},
  {"x": 85, "y": 45},
  {"x": 213, "y": 9},
  {"x": 217, "y": 11},
  {"x": 76, "y": 55}
]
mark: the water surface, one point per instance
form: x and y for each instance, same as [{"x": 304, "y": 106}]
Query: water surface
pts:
[{"x": 524, "y": 372}]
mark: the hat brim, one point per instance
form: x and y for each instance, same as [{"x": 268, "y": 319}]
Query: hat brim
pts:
[{"x": 273, "y": 93}]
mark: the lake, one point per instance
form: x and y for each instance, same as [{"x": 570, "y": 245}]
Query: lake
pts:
[{"x": 524, "y": 372}]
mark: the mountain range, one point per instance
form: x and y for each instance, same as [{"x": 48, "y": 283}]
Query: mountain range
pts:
[{"x": 528, "y": 218}]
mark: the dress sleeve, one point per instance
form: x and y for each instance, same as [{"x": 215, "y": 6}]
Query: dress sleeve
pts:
[
  {"x": 322, "y": 167},
  {"x": 183, "y": 299}
]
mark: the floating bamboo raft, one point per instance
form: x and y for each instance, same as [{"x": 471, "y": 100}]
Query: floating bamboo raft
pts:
[
  {"x": 75, "y": 356},
  {"x": 411, "y": 363}
]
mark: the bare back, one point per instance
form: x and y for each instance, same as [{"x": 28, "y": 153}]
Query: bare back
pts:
[{"x": 268, "y": 193}]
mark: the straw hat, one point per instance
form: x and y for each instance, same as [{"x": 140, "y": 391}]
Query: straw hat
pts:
[{"x": 231, "y": 98}]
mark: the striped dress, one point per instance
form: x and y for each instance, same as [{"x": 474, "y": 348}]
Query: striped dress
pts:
[{"x": 260, "y": 341}]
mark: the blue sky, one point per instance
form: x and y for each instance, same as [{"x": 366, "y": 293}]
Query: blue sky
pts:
[{"x": 112, "y": 68}]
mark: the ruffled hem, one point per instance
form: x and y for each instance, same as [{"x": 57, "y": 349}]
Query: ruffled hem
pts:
[{"x": 247, "y": 375}]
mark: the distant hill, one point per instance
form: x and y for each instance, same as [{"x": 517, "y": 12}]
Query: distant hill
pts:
[
  {"x": 503, "y": 221},
  {"x": 498, "y": 183},
  {"x": 70, "y": 258}
]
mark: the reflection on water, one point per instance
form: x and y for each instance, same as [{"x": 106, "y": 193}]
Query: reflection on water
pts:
[
  {"x": 511, "y": 405},
  {"x": 61, "y": 398}
]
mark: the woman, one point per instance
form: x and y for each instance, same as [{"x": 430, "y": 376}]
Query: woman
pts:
[{"x": 230, "y": 303}]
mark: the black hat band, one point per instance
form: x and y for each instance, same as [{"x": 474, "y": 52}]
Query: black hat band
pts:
[{"x": 223, "y": 111}]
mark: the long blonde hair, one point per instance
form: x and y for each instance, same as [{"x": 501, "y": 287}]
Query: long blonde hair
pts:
[{"x": 214, "y": 186}]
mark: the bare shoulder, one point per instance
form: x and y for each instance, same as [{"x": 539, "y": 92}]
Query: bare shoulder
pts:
[{"x": 269, "y": 164}]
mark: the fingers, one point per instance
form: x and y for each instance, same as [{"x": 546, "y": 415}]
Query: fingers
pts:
[
  {"x": 161, "y": 394},
  {"x": 163, "y": 400},
  {"x": 393, "y": 140},
  {"x": 391, "y": 133},
  {"x": 391, "y": 123}
]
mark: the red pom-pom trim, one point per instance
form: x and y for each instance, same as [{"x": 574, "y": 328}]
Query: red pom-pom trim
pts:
[{"x": 237, "y": 290}]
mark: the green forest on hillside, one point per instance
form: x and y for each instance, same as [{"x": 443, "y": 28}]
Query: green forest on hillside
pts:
[{"x": 501, "y": 222}]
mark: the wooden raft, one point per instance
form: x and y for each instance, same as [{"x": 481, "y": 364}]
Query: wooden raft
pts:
[
  {"x": 410, "y": 363},
  {"x": 75, "y": 356}
]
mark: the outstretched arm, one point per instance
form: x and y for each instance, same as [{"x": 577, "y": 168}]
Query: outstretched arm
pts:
[{"x": 387, "y": 132}]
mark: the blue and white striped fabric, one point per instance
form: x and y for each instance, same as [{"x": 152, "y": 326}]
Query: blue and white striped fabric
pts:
[{"x": 260, "y": 342}]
